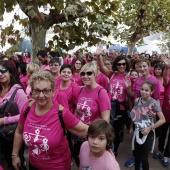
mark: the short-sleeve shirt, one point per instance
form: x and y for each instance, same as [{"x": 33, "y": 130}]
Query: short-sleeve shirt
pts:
[
  {"x": 102, "y": 80},
  {"x": 44, "y": 136},
  {"x": 139, "y": 113},
  {"x": 104, "y": 162},
  {"x": 91, "y": 103}
]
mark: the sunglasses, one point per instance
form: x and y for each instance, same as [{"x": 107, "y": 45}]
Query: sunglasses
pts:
[
  {"x": 121, "y": 64},
  {"x": 88, "y": 73},
  {"x": 3, "y": 70},
  {"x": 78, "y": 63}
]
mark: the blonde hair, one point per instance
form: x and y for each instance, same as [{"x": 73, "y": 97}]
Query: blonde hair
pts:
[
  {"x": 90, "y": 66},
  {"x": 42, "y": 76},
  {"x": 31, "y": 68}
]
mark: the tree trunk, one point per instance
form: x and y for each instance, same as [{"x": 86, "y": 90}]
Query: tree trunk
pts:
[
  {"x": 38, "y": 35},
  {"x": 131, "y": 47}
]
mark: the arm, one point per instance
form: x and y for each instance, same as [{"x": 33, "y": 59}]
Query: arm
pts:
[
  {"x": 102, "y": 67},
  {"x": 157, "y": 124},
  {"x": 17, "y": 146},
  {"x": 165, "y": 76},
  {"x": 106, "y": 115},
  {"x": 79, "y": 130}
]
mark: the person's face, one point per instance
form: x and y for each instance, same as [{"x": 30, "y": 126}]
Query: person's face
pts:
[
  {"x": 143, "y": 68},
  {"x": 158, "y": 71},
  {"x": 78, "y": 54},
  {"x": 136, "y": 56},
  {"x": 146, "y": 56},
  {"x": 42, "y": 93},
  {"x": 4, "y": 75},
  {"x": 54, "y": 67},
  {"x": 66, "y": 74},
  {"x": 145, "y": 91},
  {"x": 97, "y": 144},
  {"x": 112, "y": 54},
  {"x": 134, "y": 75},
  {"x": 108, "y": 65},
  {"x": 42, "y": 60},
  {"x": 78, "y": 65},
  {"x": 88, "y": 77},
  {"x": 121, "y": 66}
]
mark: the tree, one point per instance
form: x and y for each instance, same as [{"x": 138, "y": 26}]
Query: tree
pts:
[
  {"x": 140, "y": 18},
  {"x": 73, "y": 21}
]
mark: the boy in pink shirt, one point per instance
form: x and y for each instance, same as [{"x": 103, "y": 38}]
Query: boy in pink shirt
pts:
[{"x": 94, "y": 153}]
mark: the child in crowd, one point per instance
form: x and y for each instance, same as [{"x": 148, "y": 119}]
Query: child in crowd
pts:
[
  {"x": 144, "y": 135},
  {"x": 94, "y": 153}
]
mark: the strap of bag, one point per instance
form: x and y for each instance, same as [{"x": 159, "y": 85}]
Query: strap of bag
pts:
[
  {"x": 60, "y": 111},
  {"x": 28, "y": 108},
  {"x": 13, "y": 94}
]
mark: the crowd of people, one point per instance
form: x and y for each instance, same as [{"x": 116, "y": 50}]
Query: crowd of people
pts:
[{"x": 80, "y": 107}]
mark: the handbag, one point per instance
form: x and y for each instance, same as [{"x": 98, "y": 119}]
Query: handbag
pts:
[{"x": 9, "y": 107}]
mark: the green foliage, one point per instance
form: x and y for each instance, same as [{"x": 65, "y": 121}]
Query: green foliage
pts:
[
  {"x": 140, "y": 18},
  {"x": 73, "y": 21}
]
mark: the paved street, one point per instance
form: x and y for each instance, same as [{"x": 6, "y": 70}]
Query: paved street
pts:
[{"x": 124, "y": 153}]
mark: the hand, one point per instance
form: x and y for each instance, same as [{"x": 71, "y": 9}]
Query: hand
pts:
[
  {"x": 1, "y": 121},
  {"x": 146, "y": 131},
  {"x": 16, "y": 162},
  {"x": 99, "y": 49},
  {"x": 131, "y": 130},
  {"x": 166, "y": 60},
  {"x": 127, "y": 82},
  {"x": 151, "y": 113}
]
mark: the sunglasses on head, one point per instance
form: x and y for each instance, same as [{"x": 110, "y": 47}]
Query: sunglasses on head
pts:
[
  {"x": 3, "y": 70},
  {"x": 121, "y": 64},
  {"x": 88, "y": 73}
]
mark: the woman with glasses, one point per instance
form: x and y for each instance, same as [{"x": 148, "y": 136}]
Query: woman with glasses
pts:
[
  {"x": 9, "y": 82},
  {"x": 76, "y": 75},
  {"x": 93, "y": 102},
  {"x": 42, "y": 130}
]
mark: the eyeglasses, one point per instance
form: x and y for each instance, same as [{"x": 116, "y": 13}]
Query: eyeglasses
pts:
[
  {"x": 78, "y": 63},
  {"x": 107, "y": 64},
  {"x": 121, "y": 64},
  {"x": 54, "y": 65},
  {"x": 88, "y": 73},
  {"x": 3, "y": 70},
  {"x": 44, "y": 91}
]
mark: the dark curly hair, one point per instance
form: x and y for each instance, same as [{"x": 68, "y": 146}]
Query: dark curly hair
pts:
[{"x": 119, "y": 58}]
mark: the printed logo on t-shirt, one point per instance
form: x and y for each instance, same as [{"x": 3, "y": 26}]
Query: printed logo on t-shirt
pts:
[
  {"x": 38, "y": 142},
  {"x": 116, "y": 89},
  {"x": 86, "y": 168},
  {"x": 84, "y": 109}
]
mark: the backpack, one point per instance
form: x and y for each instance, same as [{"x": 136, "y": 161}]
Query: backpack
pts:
[{"x": 7, "y": 131}]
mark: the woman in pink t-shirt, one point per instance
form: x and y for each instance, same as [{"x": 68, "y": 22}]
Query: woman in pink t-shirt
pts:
[
  {"x": 55, "y": 64},
  {"x": 76, "y": 75},
  {"x": 27, "y": 57},
  {"x": 9, "y": 83},
  {"x": 93, "y": 102},
  {"x": 42, "y": 130}
]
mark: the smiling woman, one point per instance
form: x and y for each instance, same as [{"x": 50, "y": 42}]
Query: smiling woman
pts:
[{"x": 42, "y": 130}]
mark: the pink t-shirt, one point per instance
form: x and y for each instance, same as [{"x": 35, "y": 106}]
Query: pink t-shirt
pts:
[
  {"x": 1, "y": 167},
  {"x": 76, "y": 78},
  {"x": 45, "y": 67},
  {"x": 91, "y": 103},
  {"x": 166, "y": 103},
  {"x": 104, "y": 162},
  {"x": 102, "y": 80},
  {"x": 20, "y": 99},
  {"x": 48, "y": 148},
  {"x": 61, "y": 98},
  {"x": 138, "y": 84},
  {"x": 27, "y": 60},
  {"x": 162, "y": 93},
  {"x": 71, "y": 94},
  {"x": 67, "y": 60},
  {"x": 24, "y": 81},
  {"x": 117, "y": 87}
]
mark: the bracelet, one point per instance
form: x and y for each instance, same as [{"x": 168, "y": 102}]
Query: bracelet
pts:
[{"x": 14, "y": 156}]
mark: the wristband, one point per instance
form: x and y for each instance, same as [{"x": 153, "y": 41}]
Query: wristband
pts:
[{"x": 14, "y": 156}]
